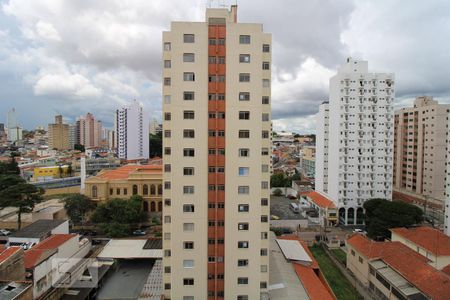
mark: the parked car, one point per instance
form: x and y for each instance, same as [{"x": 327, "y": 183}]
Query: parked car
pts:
[
  {"x": 139, "y": 232},
  {"x": 357, "y": 230},
  {"x": 274, "y": 217},
  {"x": 294, "y": 207},
  {"x": 4, "y": 232}
]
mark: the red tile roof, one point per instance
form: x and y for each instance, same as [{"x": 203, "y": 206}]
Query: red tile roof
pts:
[
  {"x": 320, "y": 200},
  {"x": 6, "y": 253},
  {"x": 446, "y": 270},
  {"x": 426, "y": 237},
  {"x": 33, "y": 257},
  {"x": 54, "y": 241},
  {"x": 315, "y": 285},
  {"x": 125, "y": 171},
  {"x": 408, "y": 263}
]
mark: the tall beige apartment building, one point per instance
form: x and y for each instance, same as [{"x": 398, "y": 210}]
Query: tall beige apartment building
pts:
[
  {"x": 420, "y": 149},
  {"x": 216, "y": 139},
  {"x": 88, "y": 131},
  {"x": 58, "y": 134}
]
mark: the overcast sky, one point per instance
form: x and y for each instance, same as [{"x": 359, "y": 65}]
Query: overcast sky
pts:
[{"x": 77, "y": 56}]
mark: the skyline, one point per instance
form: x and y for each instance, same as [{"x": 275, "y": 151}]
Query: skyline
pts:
[{"x": 109, "y": 53}]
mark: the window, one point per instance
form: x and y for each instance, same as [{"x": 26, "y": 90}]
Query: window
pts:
[
  {"x": 243, "y": 208},
  {"x": 188, "y": 263},
  {"x": 244, "y": 58},
  {"x": 118, "y": 191},
  {"x": 266, "y": 65},
  {"x": 167, "y": 81},
  {"x": 167, "y": 116},
  {"x": 243, "y": 171},
  {"x": 244, "y": 152},
  {"x": 353, "y": 252},
  {"x": 264, "y": 151},
  {"x": 243, "y": 244},
  {"x": 167, "y": 236},
  {"x": 360, "y": 260},
  {"x": 167, "y": 286},
  {"x": 264, "y": 235},
  {"x": 264, "y": 185},
  {"x": 212, "y": 60},
  {"x": 167, "y": 64},
  {"x": 167, "y": 150},
  {"x": 167, "y": 219},
  {"x": 188, "y": 189},
  {"x": 244, "y": 134},
  {"x": 167, "y": 133},
  {"x": 189, "y": 171},
  {"x": 167, "y": 99},
  {"x": 243, "y": 226},
  {"x": 188, "y": 57},
  {"x": 167, "y": 202},
  {"x": 244, "y": 77},
  {"x": 242, "y": 262},
  {"x": 125, "y": 191},
  {"x": 265, "y": 134},
  {"x": 188, "y": 281},
  {"x": 244, "y": 96},
  {"x": 264, "y": 168},
  {"x": 166, "y": 186},
  {"x": 167, "y": 168},
  {"x": 188, "y": 96},
  {"x": 263, "y": 268},
  {"x": 189, "y": 115},
  {"x": 242, "y": 280},
  {"x": 265, "y": 117},
  {"x": 167, "y": 253},
  {"x": 263, "y": 285},
  {"x": 189, "y": 133},
  {"x": 188, "y": 245},
  {"x": 111, "y": 191},
  {"x": 265, "y": 100},
  {"x": 242, "y": 297},
  {"x": 244, "y": 39},
  {"x": 264, "y": 218},
  {"x": 188, "y": 38},
  {"x": 264, "y": 201},
  {"x": 188, "y": 152},
  {"x": 188, "y": 226},
  {"x": 266, "y": 83},
  {"x": 189, "y": 76},
  {"x": 167, "y": 46},
  {"x": 266, "y": 48},
  {"x": 264, "y": 251},
  {"x": 243, "y": 189},
  {"x": 188, "y": 297},
  {"x": 244, "y": 115}
]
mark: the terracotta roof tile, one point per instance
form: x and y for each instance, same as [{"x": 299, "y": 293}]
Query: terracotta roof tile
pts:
[
  {"x": 320, "y": 200},
  {"x": 54, "y": 241},
  {"x": 428, "y": 238},
  {"x": 6, "y": 253},
  {"x": 124, "y": 171},
  {"x": 408, "y": 263},
  {"x": 34, "y": 256}
]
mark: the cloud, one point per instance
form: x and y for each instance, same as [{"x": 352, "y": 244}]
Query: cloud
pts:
[{"x": 66, "y": 85}]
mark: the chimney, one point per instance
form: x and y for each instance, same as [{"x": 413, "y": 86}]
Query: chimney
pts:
[{"x": 234, "y": 13}]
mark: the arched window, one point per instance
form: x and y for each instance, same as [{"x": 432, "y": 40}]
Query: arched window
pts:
[
  {"x": 135, "y": 189},
  {"x": 152, "y": 206},
  {"x": 160, "y": 189},
  {"x": 145, "y": 188},
  {"x": 94, "y": 191},
  {"x": 160, "y": 206},
  {"x": 152, "y": 189},
  {"x": 145, "y": 206}
]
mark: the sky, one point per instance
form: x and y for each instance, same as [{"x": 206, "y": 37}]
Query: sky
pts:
[{"x": 73, "y": 57}]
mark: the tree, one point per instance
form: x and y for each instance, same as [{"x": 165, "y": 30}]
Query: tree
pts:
[
  {"x": 24, "y": 196},
  {"x": 60, "y": 171},
  {"x": 7, "y": 181},
  {"x": 280, "y": 180},
  {"x": 79, "y": 147},
  {"x": 155, "y": 141},
  {"x": 277, "y": 192},
  {"x": 70, "y": 170},
  {"x": 77, "y": 207},
  {"x": 381, "y": 215},
  {"x": 11, "y": 167},
  {"x": 116, "y": 215}
]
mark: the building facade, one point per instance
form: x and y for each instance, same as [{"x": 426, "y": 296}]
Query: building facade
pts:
[
  {"x": 309, "y": 161},
  {"x": 420, "y": 149},
  {"x": 131, "y": 130},
  {"x": 360, "y": 139},
  {"x": 58, "y": 134},
  {"x": 89, "y": 131},
  {"x": 216, "y": 140},
  {"x": 322, "y": 138}
]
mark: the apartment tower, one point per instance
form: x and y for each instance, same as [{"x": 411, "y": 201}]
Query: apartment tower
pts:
[
  {"x": 420, "y": 149},
  {"x": 58, "y": 134},
  {"x": 216, "y": 139},
  {"x": 131, "y": 132},
  {"x": 89, "y": 131},
  {"x": 359, "y": 156}
]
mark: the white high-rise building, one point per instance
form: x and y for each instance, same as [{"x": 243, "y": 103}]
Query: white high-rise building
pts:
[
  {"x": 14, "y": 130},
  {"x": 216, "y": 138},
  {"x": 322, "y": 136},
  {"x": 131, "y": 129},
  {"x": 359, "y": 156}
]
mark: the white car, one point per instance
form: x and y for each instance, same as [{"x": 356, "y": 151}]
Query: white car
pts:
[
  {"x": 357, "y": 230},
  {"x": 4, "y": 232}
]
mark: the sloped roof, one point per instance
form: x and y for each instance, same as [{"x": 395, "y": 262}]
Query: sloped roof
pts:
[
  {"x": 33, "y": 257},
  {"x": 408, "y": 263},
  {"x": 54, "y": 241},
  {"x": 125, "y": 171},
  {"x": 320, "y": 200},
  {"x": 6, "y": 253},
  {"x": 426, "y": 237}
]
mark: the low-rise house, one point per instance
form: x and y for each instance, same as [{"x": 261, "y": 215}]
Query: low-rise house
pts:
[
  {"x": 38, "y": 231},
  {"x": 392, "y": 270},
  {"x": 427, "y": 241},
  {"x": 16, "y": 290},
  {"x": 126, "y": 181},
  {"x": 12, "y": 264},
  {"x": 325, "y": 207},
  {"x": 53, "y": 259}
]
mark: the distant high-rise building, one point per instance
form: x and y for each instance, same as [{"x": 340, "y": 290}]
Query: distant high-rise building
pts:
[
  {"x": 89, "y": 131},
  {"x": 131, "y": 129},
  {"x": 2, "y": 133},
  {"x": 216, "y": 146},
  {"x": 58, "y": 134},
  {"x": 153, "y": 126},
  {"x": 14, "y": 130},
  {"x": 112, "y": 139},
  {"x": 421, "y": 149},
  {"x": 72, "y": 136},
  {"x": 356, "y": 137}
]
